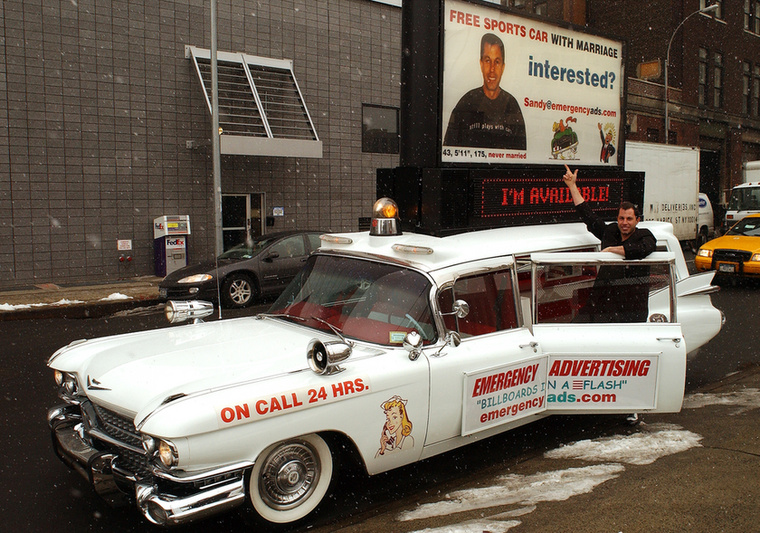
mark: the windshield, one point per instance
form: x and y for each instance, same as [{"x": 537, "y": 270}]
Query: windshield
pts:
[
  {"x": 367, "y": 301},
  {"x": 744, "y": 199},
  {"x": 246, "y": 250},
  {"x": 749, "y": 227}
]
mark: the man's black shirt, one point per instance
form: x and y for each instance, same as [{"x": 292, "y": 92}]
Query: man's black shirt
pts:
[
  {"x": 620, "y": 293},
  {"x": 481, "y": 122}
]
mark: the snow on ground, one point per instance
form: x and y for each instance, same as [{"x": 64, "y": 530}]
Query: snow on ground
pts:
[
  {"x": 650, "y": 443},
  {"x": 745, "y": 400},
  {"x": 65, "y": 301},
  {"x": 16, "y": 307},
  {"x": 514, "y": 489},
  {"x": 658, "y": 440}
]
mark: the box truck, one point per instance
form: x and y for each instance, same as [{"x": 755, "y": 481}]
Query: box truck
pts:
[{"x": 671, "y": 184}]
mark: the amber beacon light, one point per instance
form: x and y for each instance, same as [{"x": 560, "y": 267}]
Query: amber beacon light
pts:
[{"x": 385, "y": 218}]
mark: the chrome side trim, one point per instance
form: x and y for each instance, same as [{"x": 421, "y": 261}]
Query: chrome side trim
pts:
[{"x": 182, "y": 477}]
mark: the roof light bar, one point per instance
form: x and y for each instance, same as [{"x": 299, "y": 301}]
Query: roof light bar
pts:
[{"x": 411, "y": 249}]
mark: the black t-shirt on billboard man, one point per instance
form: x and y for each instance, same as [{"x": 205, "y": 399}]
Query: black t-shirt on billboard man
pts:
[{"x": 487, "y": 116}]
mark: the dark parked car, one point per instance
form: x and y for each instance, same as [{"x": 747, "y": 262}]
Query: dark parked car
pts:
[{"x": 244, "y": 273}]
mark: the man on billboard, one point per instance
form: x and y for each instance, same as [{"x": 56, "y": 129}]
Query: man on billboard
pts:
[{"x": 487, "y": 116}]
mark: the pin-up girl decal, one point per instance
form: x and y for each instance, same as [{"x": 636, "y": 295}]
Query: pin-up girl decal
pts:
[{"x": 397, "y": 429}]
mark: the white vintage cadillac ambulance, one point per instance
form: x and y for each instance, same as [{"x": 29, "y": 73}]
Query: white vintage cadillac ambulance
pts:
[{"x": 398, "y": 346}]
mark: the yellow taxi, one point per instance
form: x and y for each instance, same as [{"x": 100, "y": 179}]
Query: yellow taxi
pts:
[{"x": 737, "y": 253}]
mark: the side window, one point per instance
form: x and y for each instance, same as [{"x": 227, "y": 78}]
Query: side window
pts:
[
  {"x": 491, "y": 301},
  {"x": 314, "y": 241},
  {"x": 611, "y": 293},
  {"x": 292, "y": 246}
]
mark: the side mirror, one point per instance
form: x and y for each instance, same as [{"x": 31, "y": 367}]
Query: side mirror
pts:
[
  {"x": 461, "y": 308},
  {"x": 270, "y": 256}
]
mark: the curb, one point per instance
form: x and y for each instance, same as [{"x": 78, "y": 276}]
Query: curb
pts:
[{"x": 96, "y": 309}]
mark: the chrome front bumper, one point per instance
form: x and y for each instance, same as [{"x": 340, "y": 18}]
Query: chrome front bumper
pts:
[{"x": 225, "y": 488}]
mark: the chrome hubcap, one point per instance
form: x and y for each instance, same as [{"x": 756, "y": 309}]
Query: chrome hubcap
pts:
[{"x": 289, "y": 475}]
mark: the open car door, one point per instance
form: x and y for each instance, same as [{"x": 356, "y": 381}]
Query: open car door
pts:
[{"x": 609, "y": 330}]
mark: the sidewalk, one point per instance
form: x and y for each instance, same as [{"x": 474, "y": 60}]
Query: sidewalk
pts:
[{"x": 77, "y": 301}]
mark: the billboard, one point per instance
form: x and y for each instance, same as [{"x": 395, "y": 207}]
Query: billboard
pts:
[{"x": 518, "y": 90}]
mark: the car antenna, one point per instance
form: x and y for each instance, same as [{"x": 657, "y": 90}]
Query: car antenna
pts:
[{"x": 218, "y": 288}]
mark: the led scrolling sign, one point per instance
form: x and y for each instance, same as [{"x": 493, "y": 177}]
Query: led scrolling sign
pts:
[{"x": 509, "y": 198}]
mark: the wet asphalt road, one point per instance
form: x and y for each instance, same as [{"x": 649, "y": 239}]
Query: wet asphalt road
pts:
[{"x": 41, "y": 494}]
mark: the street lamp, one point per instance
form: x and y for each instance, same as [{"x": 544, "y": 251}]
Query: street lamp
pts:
[{"x": 706, "y": 9}]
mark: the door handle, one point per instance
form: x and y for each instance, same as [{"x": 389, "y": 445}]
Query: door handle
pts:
[
  {"x": 671, "y": 339},
  {"x": 531, "y": 344}
]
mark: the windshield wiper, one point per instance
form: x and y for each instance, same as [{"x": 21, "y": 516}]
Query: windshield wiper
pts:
[
  {"x": 278, "y": 315},
  {"x": 335, "y": 329}
]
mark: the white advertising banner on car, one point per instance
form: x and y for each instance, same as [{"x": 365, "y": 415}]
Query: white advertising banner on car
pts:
[
  {"x": 518, "y": 90},
  {"x": 602, "y": 383},
  {"x": 503, "y": 394}
]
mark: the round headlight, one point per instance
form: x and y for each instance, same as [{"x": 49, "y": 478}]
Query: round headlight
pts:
[
  {"x": 196, "y": 278},
  {"x": 167, "y": 454},
  {"x": 58, "y": 377}
]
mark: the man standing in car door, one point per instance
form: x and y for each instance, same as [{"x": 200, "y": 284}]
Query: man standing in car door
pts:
[{"x": 620, "y": 293}]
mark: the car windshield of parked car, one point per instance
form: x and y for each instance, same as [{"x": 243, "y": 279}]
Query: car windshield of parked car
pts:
[
  {"x": 749, "y": 227},
  {"x": 364, "y": 300},
  {"x": 246, "y": 250}
]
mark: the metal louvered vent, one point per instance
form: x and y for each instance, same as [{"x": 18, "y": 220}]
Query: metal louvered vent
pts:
[
  {"x": 238, "y": 112},
  {"x": 261, "y": 108},
  {"x": 282, "y": 103}
]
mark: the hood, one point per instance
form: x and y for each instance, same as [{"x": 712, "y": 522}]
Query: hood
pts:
[
  {"x": 735, "y": 242},
  {"x": 131, "y": 372}
]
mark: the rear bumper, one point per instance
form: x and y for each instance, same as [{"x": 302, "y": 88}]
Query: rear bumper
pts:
[{"x": 163, "y": 498}]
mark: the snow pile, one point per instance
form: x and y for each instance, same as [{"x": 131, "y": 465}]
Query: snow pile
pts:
[
  {"x": 636, "y": 449},
  {"x": 17, "y": 307},
  {"x": 116, "y": 296},
  {"x": 65, "y": 301},
  {"x": 520, "y": 490}
]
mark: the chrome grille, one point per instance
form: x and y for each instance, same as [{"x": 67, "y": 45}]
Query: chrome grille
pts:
[
  {"x": 117, "y": 434},
  {"x": 734, "y": 256},
  {"x": 117, "y": 426}
]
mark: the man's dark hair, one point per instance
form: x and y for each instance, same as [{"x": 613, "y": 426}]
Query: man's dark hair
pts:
[
  {"x": 492, "y": 39},
  {"x": 625, "y": 206}
]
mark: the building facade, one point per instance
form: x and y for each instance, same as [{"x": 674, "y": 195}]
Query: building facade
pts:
[
  {"x": 107, "y": 127},
  {"x": 713, "y": 79},
  {"x": 107, "y": 119}
]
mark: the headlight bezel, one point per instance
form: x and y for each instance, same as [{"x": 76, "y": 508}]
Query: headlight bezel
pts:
[
  {"x": 196, "y": 278},
  {"x": 163, "y": 453},
  {"x": 166, "y": 453},
  {"x": 755, "y": 257},
  {"x": 704, "y": 252},
  {"x": 67, "y": 383}
]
